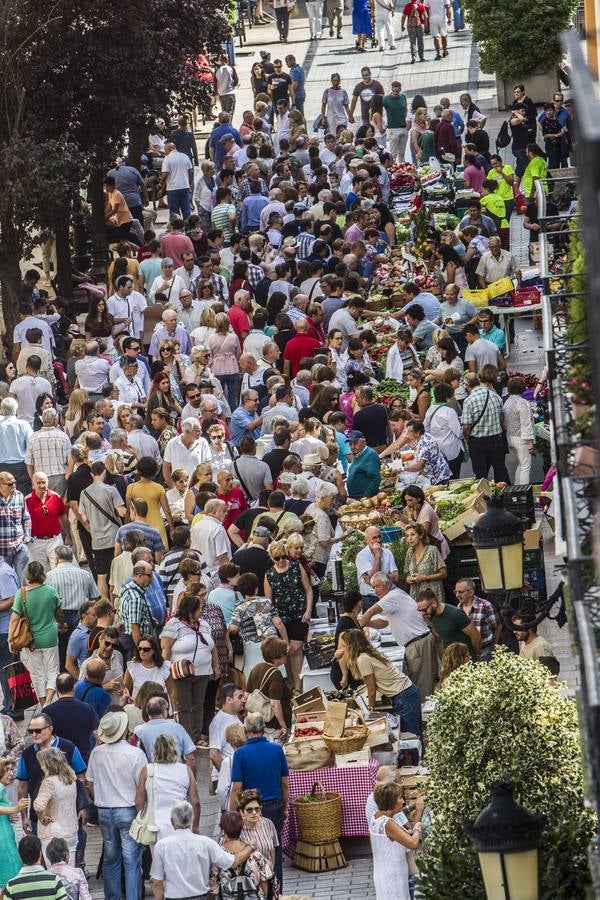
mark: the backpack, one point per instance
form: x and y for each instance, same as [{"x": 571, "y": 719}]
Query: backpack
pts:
[
  {"x": 414, "y": 19},
  {"x": 503, "y": 138},
  {"x": 239, "y": 887},
  {"x": 71, "y": 889}
]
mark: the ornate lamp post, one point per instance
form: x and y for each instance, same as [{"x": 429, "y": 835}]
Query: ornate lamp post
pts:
[
  {"x": 498, "y": 543},
  {"x": 506, "y": 837}
]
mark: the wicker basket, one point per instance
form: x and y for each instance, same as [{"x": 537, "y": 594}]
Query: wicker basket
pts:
[
  {"x": 321, "y": 818},
  {"x": 353, "y": 739}
]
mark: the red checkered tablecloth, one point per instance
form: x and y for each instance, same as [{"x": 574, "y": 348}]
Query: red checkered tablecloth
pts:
[{"x": 353, "y": 783}]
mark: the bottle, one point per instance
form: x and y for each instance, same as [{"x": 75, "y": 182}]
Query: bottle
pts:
[{"x": 331, "y": 612}]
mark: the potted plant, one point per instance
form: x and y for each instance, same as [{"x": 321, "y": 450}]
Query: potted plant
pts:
[{"x": 520, "y": 43}]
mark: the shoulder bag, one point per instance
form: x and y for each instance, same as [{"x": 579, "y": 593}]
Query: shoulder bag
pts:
[
  {"x": 144, "y": 829},
  {"x": 101, "y": 509},
  {"x": 19, "y": 630},
  {"x": 249, "y": 496},
  {"x": 258, "y": 702}
]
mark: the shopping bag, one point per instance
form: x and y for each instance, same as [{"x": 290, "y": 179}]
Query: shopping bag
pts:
[{"x": 20, "y": 686}]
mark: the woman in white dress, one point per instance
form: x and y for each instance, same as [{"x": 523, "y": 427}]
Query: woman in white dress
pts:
[
  {"x": 174, "y": 781},
  {"x": 390, "y": 843}
]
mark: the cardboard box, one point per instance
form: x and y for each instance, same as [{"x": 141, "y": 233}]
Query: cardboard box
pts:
[
  {"x": 309, "y": 718},
  {"x": 477, "y": 502},
  {"x": 459, "y": 526},
  {"x": 532, "y": 538},
  {"x": 310, "y": 701},
  {"x": 378, "y": 732},
  {"x": 358, "y": 758}
]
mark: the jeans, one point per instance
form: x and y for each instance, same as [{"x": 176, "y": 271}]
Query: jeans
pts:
[
  {"x": 179, "y": 202},
  {"x": 19, "y": 561},
  {"x": 273, "y": 810},
  {"x": 229, "y": 383},
  {"x": 486, "y": 653},
  {"x": 120, "y": 850},
  {"x": 486, "y": 453},
  {"x": 408, "y": 706},
  {"x": 520, "y": 161},
  {"x": 459, "y": 19},
  {"x": 415, "y": 36},
  {"x": 552, "y": 149},
  {"x": 299, "y": 101},
  {"x": 6, "y": 658},
  {"x": 283, "y": 21}
]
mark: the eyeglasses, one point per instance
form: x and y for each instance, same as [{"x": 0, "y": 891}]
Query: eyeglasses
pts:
[
  {"x": 165, "y": 350},
  {"x": 111, "y": 644},
  {"x": 135, "y": 349},
  {"x": 145, "y": 574},
  {"x": 37, "y": 730}
]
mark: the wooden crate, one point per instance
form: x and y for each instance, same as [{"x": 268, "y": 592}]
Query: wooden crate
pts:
[{"x": 323, "y": 857}]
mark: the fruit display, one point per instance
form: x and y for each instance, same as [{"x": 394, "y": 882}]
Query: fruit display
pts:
[
  {"x": 403, "y": 177},
  {"x": 307, "y": 731}
]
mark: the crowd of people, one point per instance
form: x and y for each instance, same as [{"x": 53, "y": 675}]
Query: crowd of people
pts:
[{"x": 174, "y": 461}]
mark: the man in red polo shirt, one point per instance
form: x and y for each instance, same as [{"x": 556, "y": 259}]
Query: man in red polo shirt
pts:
[
  {"x": 49, "y": 522},
  {"x": 238, "y": 314},
  {"x": 300, "y": 346}
]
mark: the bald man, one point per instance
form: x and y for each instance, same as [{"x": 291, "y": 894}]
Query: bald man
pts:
[{"x": 90, "y": 690}]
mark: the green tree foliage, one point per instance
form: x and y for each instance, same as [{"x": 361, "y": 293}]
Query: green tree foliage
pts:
[
  {"x": 503, "y": 720},
  {"x": 516, "y": 38}
]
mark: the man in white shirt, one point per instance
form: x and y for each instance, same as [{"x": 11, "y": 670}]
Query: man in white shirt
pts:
[
  {"x": 119, "y": 306},
  {"x": 209, "y": 537},
  {"x": 480, "y": 352},
  {"x": 113, "y": 772},
  {"x": 284, "y": 406},
  {"x": 371, "y": 559},
  {"x": 92, "y": 370},
  {"x": 409, "y": 630},
  {"x": 188, "y": 310},
  {"x": 143, "y": 444},
  {"x": 232, "y": 705},
  {"x": 186, "y": 450},
  {"x": 130, "y": 386},
  {"x": 27, "y": 388},
  {"x": 274, "y": 205},
  {"x": 177, "y": 175},
  {"x": 181, "y": 862},
  {"x": 253, "y": 377},
  {"x": 439, "y": 19},
  {"x": 27, "y": 321},
  {"x": 189, "y": 272},
  {"x": 283, "y": 126}
]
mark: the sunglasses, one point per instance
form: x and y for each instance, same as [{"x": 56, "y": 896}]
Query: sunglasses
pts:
[
  {"x": 145, "y": 649},
  {"x": 45, "y": 510},
  {"x": 166, "y": 350},
  {"x": 37, "y": 730},
  {"x": 253, "y": 809},
  {"x": 110, "y": 644}
]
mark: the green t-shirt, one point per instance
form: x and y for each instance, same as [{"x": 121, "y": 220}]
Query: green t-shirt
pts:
[
  {"x": 449, "y": 625},
  {"x": 41, "y": 604},
  {"x": 504, "y": 188},
  {"x": 496, "y": 207},
  {"x": 395, "y": 108},
  {"x": 537, "y": 168},
  {"x": 427, "y": 142}
]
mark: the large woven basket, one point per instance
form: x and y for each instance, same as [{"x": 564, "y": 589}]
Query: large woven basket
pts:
[
  {"x": 320, "y": 819},
  {"x": 353, "y": 739}
]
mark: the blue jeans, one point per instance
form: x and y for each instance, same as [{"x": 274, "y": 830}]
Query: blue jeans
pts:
[
  {"x": 6, "y": 658},
  {"x": 19, "y": 562},
  {"x": 459, "y": 21},
  {"x": 486, "y": 653},
  {"x": 273, "y": 810},
  {"x": 120, "y": 850},
  {"x": 408, "y": 706},
  {"x": 179, "y": 202},
  {"x": 229, "y": 383}
]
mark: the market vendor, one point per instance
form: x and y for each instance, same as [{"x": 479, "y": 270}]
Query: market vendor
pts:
[
  {"x": 429, "y": 463},
  {"x": 497, "y": 263},
  {"x": 413, "y": 294},
  {"x": 364, "y": 474},
  {"x": 372, "y": 560},
  {"x": 455, "y": 313}
]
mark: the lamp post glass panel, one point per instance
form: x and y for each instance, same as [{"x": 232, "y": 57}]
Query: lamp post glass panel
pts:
[
  {"x": 506, "y": 837},
  {"x": 498, "y": 542}
]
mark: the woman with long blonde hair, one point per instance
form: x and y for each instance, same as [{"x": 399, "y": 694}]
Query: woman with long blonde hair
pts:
[
  {"x": 207, "y": 326},
  {"x": 381, "y": 678},
  {"x": 56, "y": 802},
  {"x": 455, "y": 656},
  {"x": 77, "y": 411}
]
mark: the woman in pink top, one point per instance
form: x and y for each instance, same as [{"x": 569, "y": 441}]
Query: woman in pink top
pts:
[
  {"x": 225, "y": 348},
  {"x": 474, "y": 173},
  {"x": 348, "y": 404}
]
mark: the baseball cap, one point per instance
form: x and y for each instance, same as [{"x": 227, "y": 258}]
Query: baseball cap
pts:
[
  {"x": 300, "y": 207},
  {"x": 262, "y": 531},
  {"x": 264, "y": 54},
  {"x": 356, "y": 436}
]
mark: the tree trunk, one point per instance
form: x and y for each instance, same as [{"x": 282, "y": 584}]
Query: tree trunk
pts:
[
  {"x": 100, "y": 255},
  {"x": 63, "y": 254},
  {"x": 138, "y": 142},
  {"x": 10, "y": 277}
]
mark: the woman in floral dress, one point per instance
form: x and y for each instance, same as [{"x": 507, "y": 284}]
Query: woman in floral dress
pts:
[{"x": 423, "y": 565}]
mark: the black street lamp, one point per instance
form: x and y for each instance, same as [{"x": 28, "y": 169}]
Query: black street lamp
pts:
[
  {"x": 506, "y": 837},
  {"x": 498, "y": 543}
]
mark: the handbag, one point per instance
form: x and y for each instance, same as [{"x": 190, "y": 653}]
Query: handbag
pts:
[
  {"x": 184, "y": 668},
  {"x": 144, "y": 829},
  {"x": 257, "y": 702},
  {"x": 503, "y": 138},
  {"x": 19, "y": 630},
  {"x": 239, "y": 886},
  {"x": 306, "y": 756},
  {"x": 20, "y": 686}
]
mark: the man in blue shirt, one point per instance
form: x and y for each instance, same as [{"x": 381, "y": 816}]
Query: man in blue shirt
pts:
[
  {"x": 364, "y": 474},
  {"x": 72, "y": 720},
  {"x": 489, "y": 331},
  {"x": 157, "y": 710},
  {"x": 245, "y": 419},
  {"x": 77, "y": 648},
  {"x": 298, "y": 77},
  {"x": 9, "y": 585},
  {"x": 252, "y": 208},
  {"x": 90, "y": 690},
  {"x": 261, "y": 765},
  {"x": 429, "y": 302},
  {"x": 216, "y": 149}
]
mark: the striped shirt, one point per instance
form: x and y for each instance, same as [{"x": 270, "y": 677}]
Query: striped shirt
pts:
[
  {"x": 73, "y": 585},
  {"x": 305, "y": 240},
  {"x": 169, "y": 569},
  {"x": 34, "y": 883},
  {"x": 49, "y": 451},
  {"x": 219, "y": 218}
]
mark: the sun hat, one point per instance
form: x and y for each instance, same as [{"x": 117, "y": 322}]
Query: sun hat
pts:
[
  {"x": 310, "y": 460},
  {"x": 112, "y": 727}
]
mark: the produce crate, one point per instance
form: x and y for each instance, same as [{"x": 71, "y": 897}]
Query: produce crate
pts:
[
  {"x": 526, "y": 297},
  {"x": 319, "y": 654},
  {"x": 477, "y": 297},
  {"x": 391, "y": 533}
]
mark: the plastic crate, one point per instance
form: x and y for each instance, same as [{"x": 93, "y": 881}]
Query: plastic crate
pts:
[
  {"x": 391, "y": 533},
  {"x": 526, "y": 297},
  {"x": 502, "y": 302},
  {"x": 518, "y": 500}
]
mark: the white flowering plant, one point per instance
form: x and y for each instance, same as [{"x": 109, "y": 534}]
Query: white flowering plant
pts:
[{"x": 504, "y": 720}]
